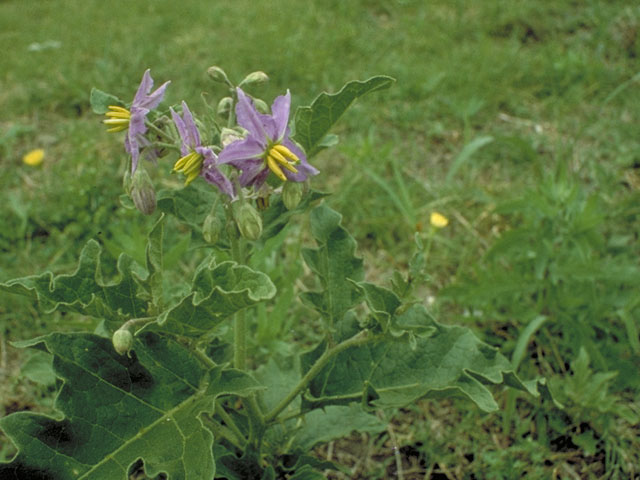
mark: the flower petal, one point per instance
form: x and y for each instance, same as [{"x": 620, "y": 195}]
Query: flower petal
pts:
[
  {"x": 280, "y": 114},
  {"x": 249, "y": 117},
  {"x": 236, "y": 152},
  {"x": 212, "y": 174},
  {"x": 154, "y": 99},
  {"x": 305, "y": 170},
  {"x": 192, "y": 130},
  {"x": 254, "y": 177},
  {"x": 182, "y": 131},
  {"x": 145, "y": 87},
  {"x": 147, "y": 100}
]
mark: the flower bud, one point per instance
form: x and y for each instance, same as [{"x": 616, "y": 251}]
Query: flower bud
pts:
[
  {"x": 122, "y": 341},
  {"x": 142, "y": 192},
  {"x": 291, "y": 194},
  {"x": 217, "y": 75},
  {"x": 255, "y": 78},
  {"x": 211, "y": 228},
  {"x": 261, "y": 106},
  {"x": 249, "y": 222},
  {"x": 224, "y": 106},
  {"x": 127, "y": 181},
  {"x": 229, "y": 135}
]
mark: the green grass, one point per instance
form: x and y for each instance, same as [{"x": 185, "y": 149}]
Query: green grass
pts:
[{"x": 495, "y": 102}]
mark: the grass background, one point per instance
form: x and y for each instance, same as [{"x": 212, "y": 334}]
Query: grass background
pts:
[{"x": 498, "y": 106}]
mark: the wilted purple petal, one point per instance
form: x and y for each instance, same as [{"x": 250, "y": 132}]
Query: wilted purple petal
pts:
[{"x": 280, "y": 111}]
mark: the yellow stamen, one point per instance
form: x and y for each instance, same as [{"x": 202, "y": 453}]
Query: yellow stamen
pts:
[
  {"x": 286, "y": 152},
  {"x": 116, "y": 108},
  {"x": 190, "y": 165},
  {"x": 194, "y": 162},
  {"x": 118, "y": 115},
  {"x": 275, "y": 168},
  {"x": 192, "y": 177},
  {"x": 278, "y": 156},
  {"x": 119, "y": 128},
  {"x": 116, "y": 121},
  {"x": 117, "y": 118},
  {"x": 287, "y": 165},
  {"x": 182, "y": 161}
]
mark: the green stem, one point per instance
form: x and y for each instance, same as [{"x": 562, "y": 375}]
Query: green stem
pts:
[
  {"x": 160, "y": 132},
  {"x": 170, "y": 146},
  {"x": 232, "y": 110},
  {"x": 226, "y": 418},
  {"x": 359, "y": 339},
  {"x": 240, "y": 341},
  {"x": 137, "y": 321},
  {"x": 221, "y": 431},
  {"x": 256, "y": 418}
]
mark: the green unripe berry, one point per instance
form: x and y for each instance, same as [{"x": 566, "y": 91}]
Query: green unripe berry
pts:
[
  {"x": 211, "y": 228},
  {"x": 122, "y": 341},
  {"x": 142, "y": 192},
  {"x": 249, "y": 222},
  {"x": 291, "y": 194}
]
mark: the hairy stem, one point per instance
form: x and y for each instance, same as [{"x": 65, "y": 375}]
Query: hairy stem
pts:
[
  {"x": 359, "y": 339},
  {"x": 222, "y": 431},
  {"x": 160, "y": 132},
  {"x": 226, "y": 418}
]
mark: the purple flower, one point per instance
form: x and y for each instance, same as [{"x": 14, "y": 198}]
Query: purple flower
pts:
[
  {"x": 267, "y": 147},
  {"x": 197, "y": 160},
  {"x": 133, "y": 120}
]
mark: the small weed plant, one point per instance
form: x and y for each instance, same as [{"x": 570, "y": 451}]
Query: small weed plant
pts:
[{"x": 189, "y": 373}]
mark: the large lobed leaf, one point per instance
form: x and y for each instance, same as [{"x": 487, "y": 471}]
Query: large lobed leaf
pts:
[
  {"x": 410, "y": 356},
  {"x": 392, "y": 371},
  {"x": 336, "y": 265},
  {"x": 219, "y": 291},
  {"x": 117, "y": 410},
  {"x": 312, "y": 123},
  {"x": 84, "y": 290}
]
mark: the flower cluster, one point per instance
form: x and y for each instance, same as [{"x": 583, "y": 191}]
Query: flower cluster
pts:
[{"x": 247, "y": 161}]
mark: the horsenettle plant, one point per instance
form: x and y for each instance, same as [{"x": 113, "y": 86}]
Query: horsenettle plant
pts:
[{"x": 167, "y": 383}]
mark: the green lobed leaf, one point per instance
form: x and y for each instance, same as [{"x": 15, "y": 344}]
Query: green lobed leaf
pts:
[
  {"x": 116, "y": 410},
  {"x": 335, "y": 263},
  {"x": 84, "y": 291},
  {"x": 312, "y": 123},
  {"x": 218, "y": 292},
  {"x": 390, "y": 372},
  {"x": 334, "y": 421},
  {"x": 100, "y": 101}
]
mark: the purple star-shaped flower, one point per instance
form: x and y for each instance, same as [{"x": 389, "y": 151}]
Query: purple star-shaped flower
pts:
[
  {"x": 267, "y": 147},
  {"x": 142, "y": 104},
  {"x": 197, "y": 160},
  {"x": 133, "y": 120}
]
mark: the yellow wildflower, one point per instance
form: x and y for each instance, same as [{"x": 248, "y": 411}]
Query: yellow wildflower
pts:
[
  {"x": 34, "y": 157},
  {"x": 438, "y": 220}
]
